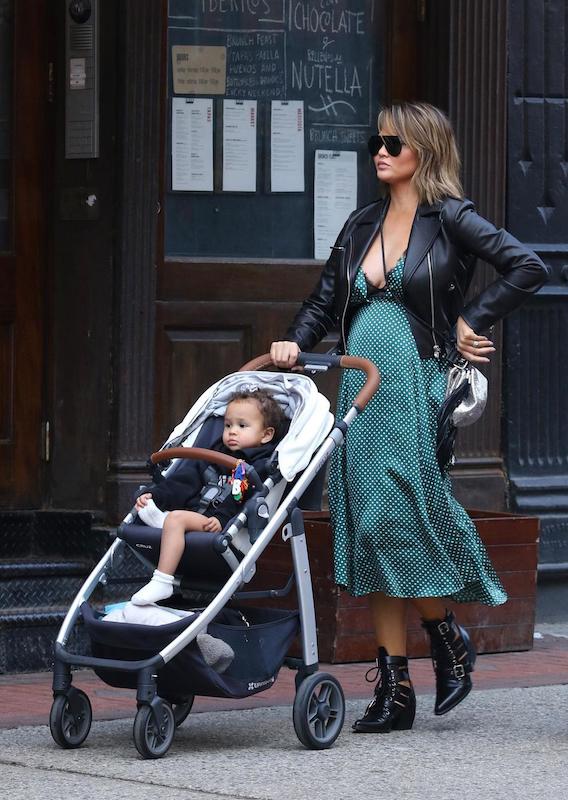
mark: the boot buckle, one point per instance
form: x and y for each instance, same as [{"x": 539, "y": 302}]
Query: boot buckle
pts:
[
  {"x": 443, "y": 627},
  {"x": 459, "y": 671}
]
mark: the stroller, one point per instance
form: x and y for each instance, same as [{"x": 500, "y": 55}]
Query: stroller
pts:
[{"x": 163, "y": 662}]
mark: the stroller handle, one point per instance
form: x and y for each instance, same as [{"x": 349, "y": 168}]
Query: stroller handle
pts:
[
  {"x": 197, "y": 453},
  {"x": 324, "y": 362}
]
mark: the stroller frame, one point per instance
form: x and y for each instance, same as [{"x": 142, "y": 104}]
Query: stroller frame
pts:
[{"x": 71, "y": 715}]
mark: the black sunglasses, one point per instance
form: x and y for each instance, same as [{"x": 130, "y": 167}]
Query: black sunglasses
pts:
[{"x": 393, "y": 144}]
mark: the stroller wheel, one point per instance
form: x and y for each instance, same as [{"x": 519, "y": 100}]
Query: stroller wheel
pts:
[
  {"x": 70, "y": 718},
  {"x": 319, "y": 711},
  {"x": 181, "y": 710},
  {"x": 151, "y": 740}
]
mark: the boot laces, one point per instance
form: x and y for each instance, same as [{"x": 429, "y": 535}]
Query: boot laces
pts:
[{"x": 376, "y": 670}]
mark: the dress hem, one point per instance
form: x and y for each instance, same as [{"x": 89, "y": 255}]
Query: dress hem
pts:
[{"x": 453, "y": 596}]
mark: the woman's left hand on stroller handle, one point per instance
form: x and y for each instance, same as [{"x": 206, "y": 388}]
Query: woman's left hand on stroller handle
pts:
[{"x": 284, "y": 354}]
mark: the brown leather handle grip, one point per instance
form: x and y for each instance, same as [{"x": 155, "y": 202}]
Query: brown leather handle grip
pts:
[
  {"x": 260, "y": 362},
  {"x": 197, "y": 453},
  {"x": 372, "y": 380}
]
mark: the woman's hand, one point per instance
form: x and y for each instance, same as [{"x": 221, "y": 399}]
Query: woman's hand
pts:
[
  {"x": 142, "y": 500},
  {"x": 284, "y": 354},
  {"x": 473, "y": 347},
  {"x": 212, "y": 525}
]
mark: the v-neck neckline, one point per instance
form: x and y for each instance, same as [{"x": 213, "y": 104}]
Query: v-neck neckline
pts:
[{"x": 387, "y": 273}]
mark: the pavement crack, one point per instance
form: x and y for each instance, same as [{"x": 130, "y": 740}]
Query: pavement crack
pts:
[{"x": 182, "y": 790}]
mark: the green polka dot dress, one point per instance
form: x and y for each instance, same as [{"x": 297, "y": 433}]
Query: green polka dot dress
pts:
[{"x": 397, "y": 527}]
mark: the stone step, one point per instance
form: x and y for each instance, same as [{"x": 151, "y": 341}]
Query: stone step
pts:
[
  {"x": 40, "y": 584},
  {"x": 27, "y": 636},
  {"x": 34, "y": 568},
  {"x": 45, "y": 557},
  {"x": 69, "y": 534}
]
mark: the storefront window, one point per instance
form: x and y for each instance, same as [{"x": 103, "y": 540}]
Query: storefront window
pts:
[
  {"x": 6, "y": 15},
  {"x": 270, "y": 105}
]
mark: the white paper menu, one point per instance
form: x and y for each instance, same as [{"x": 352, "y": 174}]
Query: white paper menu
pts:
[
  {"x": 192, "y": 144},
  {"x": 335, "y": 196},
  {"x": 287, "y": 146},
  {"x": 239, "y": 145}
]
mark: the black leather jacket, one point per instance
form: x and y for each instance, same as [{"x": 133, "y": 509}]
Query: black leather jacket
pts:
[{"x": 456, "y": 236}]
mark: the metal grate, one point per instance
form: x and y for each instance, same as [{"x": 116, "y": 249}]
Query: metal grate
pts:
[{"x": 81, "y": 37}]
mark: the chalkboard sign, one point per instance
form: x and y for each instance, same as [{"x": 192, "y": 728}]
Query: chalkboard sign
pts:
[{"x": 324, "y": 53}]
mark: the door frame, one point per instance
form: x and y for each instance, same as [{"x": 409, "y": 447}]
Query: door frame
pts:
[{"x": 24, "y": 275}]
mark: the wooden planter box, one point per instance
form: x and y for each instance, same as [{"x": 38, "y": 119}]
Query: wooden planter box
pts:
[{"x": 345, "y": 630}]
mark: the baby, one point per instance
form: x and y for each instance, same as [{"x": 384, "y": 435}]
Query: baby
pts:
[{"x": 253, "y": 424}]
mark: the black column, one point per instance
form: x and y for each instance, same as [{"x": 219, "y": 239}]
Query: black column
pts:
[
  {"x": 139, "y": 78},
  {"x": 477, "y": 108},
  {"x": 536, "y": 389}
]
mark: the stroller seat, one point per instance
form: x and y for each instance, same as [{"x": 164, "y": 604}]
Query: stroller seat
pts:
[
  {"x": 201, "y": 565},
  {"x": 199, "y": 560}
]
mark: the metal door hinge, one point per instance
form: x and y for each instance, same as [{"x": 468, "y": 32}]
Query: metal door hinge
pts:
[{"x": 45, "y": 441}]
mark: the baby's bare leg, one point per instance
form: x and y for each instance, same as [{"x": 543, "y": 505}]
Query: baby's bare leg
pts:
[{"x": 172, "y": 543}]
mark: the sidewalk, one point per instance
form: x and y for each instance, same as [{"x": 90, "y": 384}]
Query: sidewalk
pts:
[
  {"x": 26, "y": 699},
  {"x": 508, "y": 740},
  {"x": 502, "y": 744}
]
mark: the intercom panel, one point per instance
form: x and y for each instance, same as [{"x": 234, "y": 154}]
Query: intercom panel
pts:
[{"x": 81, "y": 79}]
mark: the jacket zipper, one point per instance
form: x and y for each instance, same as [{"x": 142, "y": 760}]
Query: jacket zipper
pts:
[
  {"x": 437, "y": 348},
  {"x": 348, "y": 271},
  {"x": 348, "y": 262}
]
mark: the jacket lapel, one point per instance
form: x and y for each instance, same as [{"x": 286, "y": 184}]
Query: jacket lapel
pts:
[
  {"x": 365, "y": 230},
  {"x": 425, "y": 228}
]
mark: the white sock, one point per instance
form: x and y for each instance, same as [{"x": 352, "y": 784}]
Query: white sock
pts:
[
  {"x": 152, "y": 515},
  {"x": 160, "y": 587}
]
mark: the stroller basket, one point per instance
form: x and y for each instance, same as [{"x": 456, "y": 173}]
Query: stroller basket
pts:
[{"x": 260, "y": 639}]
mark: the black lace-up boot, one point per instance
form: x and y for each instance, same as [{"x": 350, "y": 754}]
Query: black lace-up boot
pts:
[
  {"x": 394, "y": 704},
  {"x": 453, "y": 657}
]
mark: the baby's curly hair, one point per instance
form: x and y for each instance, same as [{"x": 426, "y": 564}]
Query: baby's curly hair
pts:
[{"x": 272, "y": 414}]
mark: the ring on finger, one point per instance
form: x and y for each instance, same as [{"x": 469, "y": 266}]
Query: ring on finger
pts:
[{"x": 476, "y": 343}]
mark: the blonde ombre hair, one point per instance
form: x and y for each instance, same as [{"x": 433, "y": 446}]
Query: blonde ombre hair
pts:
[{"x": 427, "y": 131}]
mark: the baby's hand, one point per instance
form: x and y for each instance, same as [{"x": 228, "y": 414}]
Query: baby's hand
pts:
[
  {"x": 142, "y": 500},
  {"x": 212, "y": 525}
]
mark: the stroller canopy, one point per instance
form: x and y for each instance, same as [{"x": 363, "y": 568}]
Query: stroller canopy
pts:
[{"x": 307, "y": 410}]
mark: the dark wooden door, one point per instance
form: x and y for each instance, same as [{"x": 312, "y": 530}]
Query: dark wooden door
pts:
[
  {"x": 23, "y": 156},
  {"x": 205, "y": 332}
]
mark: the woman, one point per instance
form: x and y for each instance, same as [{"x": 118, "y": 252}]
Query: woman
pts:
[{"x": 399, "y": 264}]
